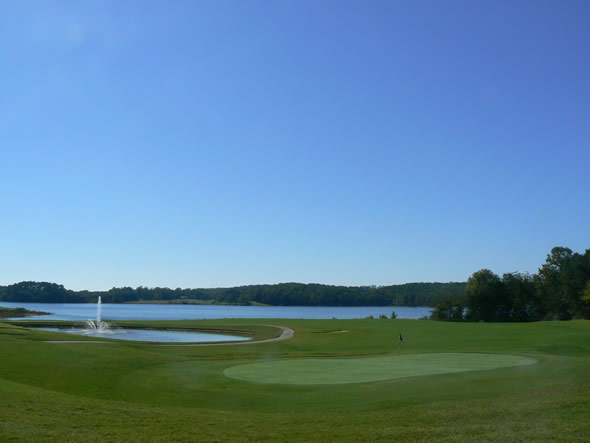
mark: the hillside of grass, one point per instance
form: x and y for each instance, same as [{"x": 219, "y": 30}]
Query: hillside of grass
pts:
[{"x": 140, "y": 391}]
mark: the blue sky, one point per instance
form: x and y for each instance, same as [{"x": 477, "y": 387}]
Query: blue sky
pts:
[{"x": 221, "y": 143}]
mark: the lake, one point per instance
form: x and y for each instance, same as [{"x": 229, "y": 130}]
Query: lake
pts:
[{"x": 110, "y": 311}]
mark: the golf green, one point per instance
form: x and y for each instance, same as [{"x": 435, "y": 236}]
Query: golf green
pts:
[{"x": 312, "y": 371}]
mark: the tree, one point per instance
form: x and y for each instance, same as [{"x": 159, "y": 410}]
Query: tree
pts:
[
  {"x": 586, "y": 300},
  {"x": 448, "y": 311},
  {"x": 561, "y": 282},
  {"x": 485, "y": 297},
  {"x": 521, "y": 294}
]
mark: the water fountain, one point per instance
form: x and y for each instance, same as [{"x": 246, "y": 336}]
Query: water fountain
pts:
[
  {"x": 98, "y": 326},
  {"x": 105, "y": 329}
]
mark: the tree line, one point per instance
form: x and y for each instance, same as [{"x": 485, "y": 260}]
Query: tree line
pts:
[
  {"x": 283, "y": 294},
  {"x": 559, "y": 291}
]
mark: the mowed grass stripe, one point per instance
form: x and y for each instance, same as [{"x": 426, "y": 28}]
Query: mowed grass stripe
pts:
[{"x": 312, "y": 371}]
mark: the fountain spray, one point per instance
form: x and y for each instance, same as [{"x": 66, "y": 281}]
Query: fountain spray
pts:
[{"x": 99, "y": 311}]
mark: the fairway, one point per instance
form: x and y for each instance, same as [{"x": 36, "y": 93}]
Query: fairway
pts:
[{"x": 318, "y": 371}]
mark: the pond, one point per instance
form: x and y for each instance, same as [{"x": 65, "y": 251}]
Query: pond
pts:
[{"x": 155, "y": 335}]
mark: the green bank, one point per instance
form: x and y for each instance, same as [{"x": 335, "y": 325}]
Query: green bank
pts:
[{"x": 334, "y": 380}]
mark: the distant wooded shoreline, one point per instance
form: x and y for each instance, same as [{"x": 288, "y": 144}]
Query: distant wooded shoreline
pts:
[
  {"x": 282, "y": 294},
  {"x": 559, "y": 291}
]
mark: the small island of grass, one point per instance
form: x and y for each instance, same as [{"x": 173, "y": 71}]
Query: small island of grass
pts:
[{"x": 18, "y": 312}]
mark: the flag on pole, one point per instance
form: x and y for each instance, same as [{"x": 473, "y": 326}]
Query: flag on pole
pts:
[{"x": 400, "y": 337}]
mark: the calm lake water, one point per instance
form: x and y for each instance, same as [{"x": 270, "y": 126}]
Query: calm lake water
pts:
[
  {"x": 85, "y": 311},
  {"x": 155, "y": 335}
]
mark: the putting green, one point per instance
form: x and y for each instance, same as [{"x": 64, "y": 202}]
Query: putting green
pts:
[{"x": 312, "y": 371}]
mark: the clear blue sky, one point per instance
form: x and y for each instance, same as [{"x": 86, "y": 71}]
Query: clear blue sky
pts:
[{"x": 221, "y": 143}]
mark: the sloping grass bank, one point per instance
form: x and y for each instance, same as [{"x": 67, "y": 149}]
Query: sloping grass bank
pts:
[{"x": 139, "y": 391}]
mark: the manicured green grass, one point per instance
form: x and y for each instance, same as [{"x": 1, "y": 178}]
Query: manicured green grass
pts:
[
  {"x": 144, "y": 392},
  {"x": 335, "y": 371}
]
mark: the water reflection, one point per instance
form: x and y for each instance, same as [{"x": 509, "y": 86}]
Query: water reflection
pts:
[
  {"x": 84, "y": 311},
  {"x": 156, "y": 335}
]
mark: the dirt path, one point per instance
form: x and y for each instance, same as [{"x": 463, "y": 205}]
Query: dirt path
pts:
[{"x": 286, "y": 334}]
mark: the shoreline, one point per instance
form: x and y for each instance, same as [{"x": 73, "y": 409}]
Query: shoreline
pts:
[{"x": 6, "y": 313}]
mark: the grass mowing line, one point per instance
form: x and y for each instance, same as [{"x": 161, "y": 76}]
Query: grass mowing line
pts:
[
  {"x": 312, "y": 371},
  {"x": 286, "y": 334},
  {"x": 79, "y": 341}
]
